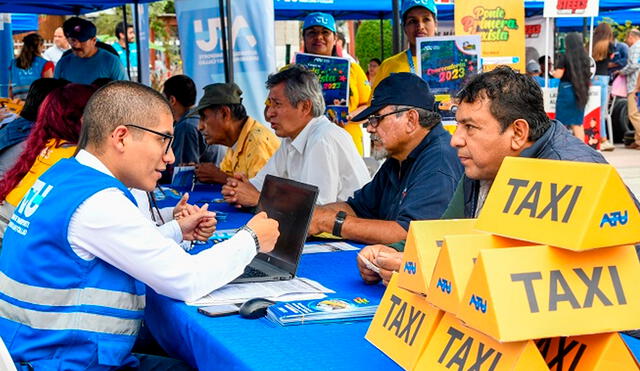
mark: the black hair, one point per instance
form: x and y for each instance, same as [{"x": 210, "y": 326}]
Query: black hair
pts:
[
  {"x": 513, "y": 96},
  {"x": 120, "y": 30},
  {"x": 182, "y": 88},
  {"x": 238, "y": 112},
  {"x": 377, "y": 60},
  {"x": 341, "y": 37},
  {"x": 578, "y": 61},
  {"x": 39, "y": 90}
]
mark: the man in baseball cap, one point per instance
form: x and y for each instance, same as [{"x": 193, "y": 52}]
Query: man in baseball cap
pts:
[
  {"x": 224, "y": 120},
  {"x": 416, "y": 181},
  {"x": 86, "y": 62}
]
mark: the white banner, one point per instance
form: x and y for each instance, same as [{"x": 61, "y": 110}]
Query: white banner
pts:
[{"x": 571, "y": 8}]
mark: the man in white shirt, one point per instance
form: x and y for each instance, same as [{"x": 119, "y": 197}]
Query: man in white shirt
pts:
[
  {"x": 313, "y": 151},
  {"x": 88, "y": 247},
  {"x": 60, "y": 45}
]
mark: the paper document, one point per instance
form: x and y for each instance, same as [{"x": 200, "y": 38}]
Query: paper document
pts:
[
  {"x": 294, "y": 289},
  {"x": 312, "y": 248}
]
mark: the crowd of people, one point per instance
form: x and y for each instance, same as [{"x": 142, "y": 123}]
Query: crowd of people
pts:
[{"x": 79, "y": 162}]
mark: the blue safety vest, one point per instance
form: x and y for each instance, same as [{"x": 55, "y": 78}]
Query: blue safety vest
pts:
[
  {"x": 58, "y": 311},
  {"x": 21, "y": 79}
]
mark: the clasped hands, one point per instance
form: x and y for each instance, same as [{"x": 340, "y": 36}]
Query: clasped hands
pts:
[
  {"x": 387, "y": 259},
  {"x": 196, "y": 223}
]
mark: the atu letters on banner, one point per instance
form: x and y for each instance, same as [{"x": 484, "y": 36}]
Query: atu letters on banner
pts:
[
  {"x": 501, "y": 28},
  {"x": 446, "y": 64},
  {"x": 333, "y": 74},
  {"x": 253, "y": 38}
]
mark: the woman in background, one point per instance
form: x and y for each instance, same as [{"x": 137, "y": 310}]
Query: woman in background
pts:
[
  {"x": 54, "y": 137},
  {"x": 29, "y": 66},
  {"x": 572, "y": 68},
  {"x": 602, "y": 52}
]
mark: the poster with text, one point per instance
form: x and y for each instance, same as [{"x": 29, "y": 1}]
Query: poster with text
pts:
[
  {"x": 501, "y": 28},
  {"x": 570, "y": 8},
  {"x": 333, "y": 74},
  {"x": 446, "y": 63}
]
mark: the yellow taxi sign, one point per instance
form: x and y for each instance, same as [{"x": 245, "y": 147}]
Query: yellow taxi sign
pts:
[
  {"x": 402, "y": 325},
  {"x": 540, "y": 291},
  {"x": 455, "y": 346},
  {"x": 424, "y": 240},
  {"x": 599, "y": 352},
  {"x": 573, "y": 205},
  {"x": 455, "y": 263}
]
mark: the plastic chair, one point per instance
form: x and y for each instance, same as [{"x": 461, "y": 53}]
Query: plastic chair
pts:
[{"x": 6, "y": 363}]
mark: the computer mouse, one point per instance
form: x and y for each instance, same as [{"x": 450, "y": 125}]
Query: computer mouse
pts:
[{"x": 255, "y": 308}]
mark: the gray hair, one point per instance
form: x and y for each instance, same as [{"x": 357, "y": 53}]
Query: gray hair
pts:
[
  {"x": 300, "y": 85},
  {"x": 635, "y": 32},
  {"x": 120, "y": 103},
  {"x": 427, "y": 119}
]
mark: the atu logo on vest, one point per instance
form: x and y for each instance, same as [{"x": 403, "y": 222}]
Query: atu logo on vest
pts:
[
  {"x": 207, "y": 40},
  {"x": 33, "y": 199}
]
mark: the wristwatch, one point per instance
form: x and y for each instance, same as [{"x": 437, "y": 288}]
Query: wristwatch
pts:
[
  {"x": 253, "y": 235},
  {"x": 337, "y": 224}
]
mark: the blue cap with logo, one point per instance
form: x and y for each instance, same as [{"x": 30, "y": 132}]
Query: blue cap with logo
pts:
[
  {"x": 320, "y": 19},
  {"x": 407, "y": 5},
  {"x": 402, "y": 89}
]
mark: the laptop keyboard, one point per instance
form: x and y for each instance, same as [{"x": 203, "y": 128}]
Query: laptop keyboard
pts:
[{"x": 252, "y": 272}]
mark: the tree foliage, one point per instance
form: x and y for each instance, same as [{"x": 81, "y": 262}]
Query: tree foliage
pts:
[
  {"x": 368, "y": 41},
  {"x": 619, "y": 30}
]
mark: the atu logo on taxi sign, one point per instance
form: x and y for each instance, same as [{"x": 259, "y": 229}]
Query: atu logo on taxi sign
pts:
[{"x": 613, "y": 218}]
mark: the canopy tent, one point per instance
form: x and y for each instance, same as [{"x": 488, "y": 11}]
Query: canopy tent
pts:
[
  {"x": 24, "y": 22},
  {"x": 620, "y": 16},
  {"x": 382, "y": 9},
  {"x": 65, "y": 7}
]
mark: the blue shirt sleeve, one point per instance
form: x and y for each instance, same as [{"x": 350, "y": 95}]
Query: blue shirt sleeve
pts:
[{"x": 365, "y": 202}]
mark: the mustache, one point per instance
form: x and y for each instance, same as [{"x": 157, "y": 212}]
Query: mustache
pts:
[{"x": 376, "y": 138}]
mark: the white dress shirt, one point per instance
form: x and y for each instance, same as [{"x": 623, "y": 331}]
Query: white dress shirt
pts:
[
  {"x": 323, "y": 155},
  {"x": 109, "y": 226},
  {"x": 53, "y": 53}
]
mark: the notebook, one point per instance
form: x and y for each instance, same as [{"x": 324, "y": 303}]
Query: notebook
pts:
[{"x": 291, "y": 203}]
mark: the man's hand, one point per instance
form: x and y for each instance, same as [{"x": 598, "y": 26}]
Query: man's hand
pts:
[
  {"x": 266, "y": 229},
  {"x": 196, "y": 223},
  {"x": 382, "y": 256},
  {"x": 239, "y": 192},
  {"x": 208, "y": 172},
  {"x": 388, "y": 260},
  {"x": 322, "y": 220},
  {"x": 369, "y": 252},
  {"x": 182, "y": 204}
]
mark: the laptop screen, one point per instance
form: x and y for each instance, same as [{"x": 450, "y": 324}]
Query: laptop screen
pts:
[{"x": 291, "y": 203}]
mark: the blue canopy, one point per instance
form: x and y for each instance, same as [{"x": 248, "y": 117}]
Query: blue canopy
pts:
[
  {"x": 65, "y": 7},
  {"x": 382, "y": 9},
  {"x": 24, "y": 22}
]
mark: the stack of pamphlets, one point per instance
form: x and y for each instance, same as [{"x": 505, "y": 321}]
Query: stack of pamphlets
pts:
[{"x": 330, "y": 309}]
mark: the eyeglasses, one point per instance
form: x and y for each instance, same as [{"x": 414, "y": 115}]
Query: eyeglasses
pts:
[
  {"x": 165, "y": 137},
  {"x": 375, "y": 120}
]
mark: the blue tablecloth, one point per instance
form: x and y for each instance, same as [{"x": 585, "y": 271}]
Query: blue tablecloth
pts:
[{"x": 234, "y": 343}]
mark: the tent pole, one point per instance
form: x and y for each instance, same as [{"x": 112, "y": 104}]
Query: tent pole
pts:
[
  {"x": 126, "y": 39},
  {"x": 546, "y": 52},
  {"x": 396, "y": 26},
  {"x": 224, "y": 42},
  {"x": 136, "y": 15},
  {"x": 591, "y": 38},
  {"x": 229, "y": 17}
]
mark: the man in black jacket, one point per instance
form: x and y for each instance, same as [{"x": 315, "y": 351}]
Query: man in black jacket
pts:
[{"x": 500, "y": 113}]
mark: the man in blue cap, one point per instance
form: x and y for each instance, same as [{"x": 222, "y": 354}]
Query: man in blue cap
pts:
[
  {"x": 416, "y": 181},
  {"x": 86, "y": 62},
  {"x": 418, "y": 20}
]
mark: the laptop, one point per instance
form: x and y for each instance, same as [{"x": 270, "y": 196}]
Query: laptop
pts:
[{"x": 291, "y": 203}]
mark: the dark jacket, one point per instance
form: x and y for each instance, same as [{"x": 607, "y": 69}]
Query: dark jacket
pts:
[
  {"x": 14, "y": 132},
  {"x": 557, "y": 143}
]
